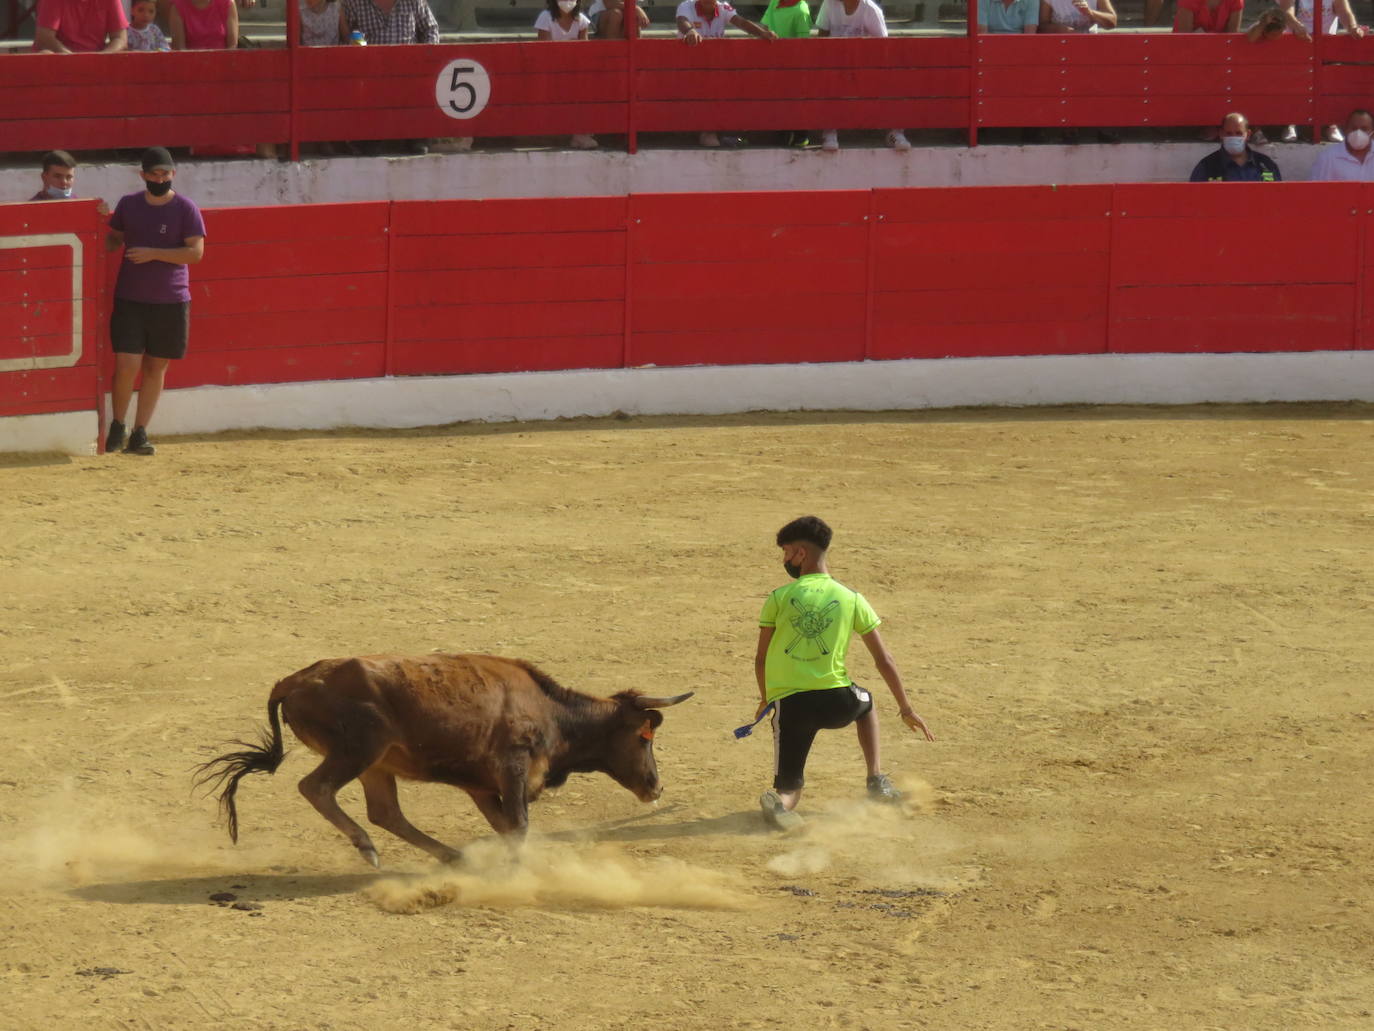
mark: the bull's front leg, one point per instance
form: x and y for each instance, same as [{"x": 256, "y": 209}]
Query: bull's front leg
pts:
[{"x": 515, "y": 811}]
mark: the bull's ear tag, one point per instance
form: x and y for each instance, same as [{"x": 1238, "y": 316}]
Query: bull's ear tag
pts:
[{"x": 647, "y": 731}]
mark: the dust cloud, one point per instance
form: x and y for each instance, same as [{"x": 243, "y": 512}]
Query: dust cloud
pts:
[{"x": 560, "y": 875}]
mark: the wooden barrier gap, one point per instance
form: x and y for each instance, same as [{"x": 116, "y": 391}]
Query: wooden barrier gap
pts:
[{"x": 316, "y": 94}]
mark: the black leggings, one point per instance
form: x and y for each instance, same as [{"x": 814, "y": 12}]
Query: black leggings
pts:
[{"x": 797, "y": 720}]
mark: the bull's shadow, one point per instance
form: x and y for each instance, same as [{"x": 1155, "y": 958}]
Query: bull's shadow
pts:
[{"x": 249, "y": 887}]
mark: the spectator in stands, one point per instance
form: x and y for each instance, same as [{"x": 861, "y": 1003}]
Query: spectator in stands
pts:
[
  {"x": 561, "y": 22},
  {"x": 1208, "y": 15},
  {"x": 204, "y": 25},
  {"x": 1009, "y": 16},
  {"x": 1297, "y": 16},
  {"x": 707, "y": 19},
  {"x": 1059, "y": 16},
  {"x": 848, "y": 19},
  {"x": 608, "y": 18},
  {"x": 319, "y": 23},
  {"x": 1234, "y": 161},
  {"x": 788, "y": 19},
  {"x": 162, "y": 233},
  {"x": 144, "y": 33},
  {"x": 391, "y": 23},
  {"x": 81, "y": 26},
  {"x": 1349, "y": 160}
]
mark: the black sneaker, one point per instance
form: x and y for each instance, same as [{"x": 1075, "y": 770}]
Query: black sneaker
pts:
[
  {"x": 114, "y": 439},
  {"x": 880, "y": 789},
  {"x": 138, "y": 443}
]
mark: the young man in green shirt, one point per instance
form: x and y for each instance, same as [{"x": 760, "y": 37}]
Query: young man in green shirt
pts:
[{"x": 804, "y": 632}]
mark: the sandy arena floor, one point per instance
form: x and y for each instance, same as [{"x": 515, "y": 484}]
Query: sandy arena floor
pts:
[{"x": 1142, "y": 637}]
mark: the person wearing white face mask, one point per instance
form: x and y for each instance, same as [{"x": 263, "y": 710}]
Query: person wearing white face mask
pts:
[
  {"x": 1235, "y": 161},
  {"x": 561, "y": 22},
  {"x": 59, "y": 178},
  {"x": 1349, "y": 161}
]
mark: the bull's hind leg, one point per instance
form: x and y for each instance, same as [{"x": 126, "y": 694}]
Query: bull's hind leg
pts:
[
  {"x": 321, "y": 785},
  {"x": 384, "y": 809}
]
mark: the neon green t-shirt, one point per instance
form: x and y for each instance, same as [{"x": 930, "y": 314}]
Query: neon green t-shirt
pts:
[
  {"x": 813, "y": 618},
  {"x": 788, "y": 22}
]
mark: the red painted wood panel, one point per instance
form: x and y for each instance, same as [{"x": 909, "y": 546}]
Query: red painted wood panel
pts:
[
  {"x": 508, "y": 251},
  {"x": 1219, "y": 250},
  {"x": 514, "y": 216},
  {"x": 509, "y": 354},
  {"x": 1236, "y": 319},
  {"x": 466, "y": 322},
  {"x": 737, "y": 52},
  {"x": 994, "y": 204},
  {"x": 729, "y": 345},
  {"x": 907, "y": 338},
  {"x": 287, "y": 293},
  {"x": 746, "y": 115},
  {"x": 47, "y": 390},
  {"x": 502, "y": 286},
  {"x": 861, "y": 83},
  {"x": 304, "y": 259},
  {"x": 257, "y": 330},
  {"x": 277, "y": 365},
  {"x": 358, "y": 220}
]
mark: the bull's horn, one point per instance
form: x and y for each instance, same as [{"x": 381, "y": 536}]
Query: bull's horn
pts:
[{"x": 642, "y": 702}]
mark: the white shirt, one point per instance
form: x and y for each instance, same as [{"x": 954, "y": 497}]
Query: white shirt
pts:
[
  {"x": 1335, "y": 164},
  {"x": 546, "y": 22},
  {"x": 1065, "y": 13},
  {"x": 1303, "y": 10},
  {"x": 715, "y": 28},
  {"x": 867, "y": 19}
]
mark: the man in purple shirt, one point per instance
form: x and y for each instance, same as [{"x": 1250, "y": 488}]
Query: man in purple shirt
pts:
[{"x": 162, "y": 233}]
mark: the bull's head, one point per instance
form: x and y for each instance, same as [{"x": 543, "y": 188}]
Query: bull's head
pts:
[{"x": 631, "y": 759}]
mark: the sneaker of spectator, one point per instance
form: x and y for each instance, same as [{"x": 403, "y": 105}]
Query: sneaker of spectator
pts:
[
  {"x": 581, "y": 141},
  {"x": 699, "y": 20},
  {"x": 562, "y": 22},
  {"x": 830, "y": 140},
  {"x": 896, "y": 139},
  {"x": 709, "y": 139},
  {"x": 81, "y": 26}
]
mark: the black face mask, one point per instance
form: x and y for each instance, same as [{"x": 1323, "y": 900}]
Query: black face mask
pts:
[
  {"x": 793, "y": 570},
  {"x": 158, "y": 189}
]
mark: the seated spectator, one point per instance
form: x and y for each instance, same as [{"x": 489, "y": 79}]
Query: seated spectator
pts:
[
  {"x": 561, "y": 22},
  {"x": 1059, "y": 16},
  {"x": 144, "y": 34},
  {"x": 707, "y": 19},
  {"x": 204, "y": 25},
  {"x": 1234, "y": 161},
  {"x": 81, "y": 26},
  {"x": 788, "y": 19},
  {"x": 391, "y": 23},
  {"x": 848, "y": 19},
  {"x": 1349, "y": 160},
  {"x": 319, "y": 23},
  {"x": 1208, "y": 15},
  {"x": 1008, "y": 16},
  {"x": 608, "y": 18}
]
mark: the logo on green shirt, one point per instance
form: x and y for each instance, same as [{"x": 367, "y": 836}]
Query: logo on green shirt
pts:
[{"x": 810, "y": 624}]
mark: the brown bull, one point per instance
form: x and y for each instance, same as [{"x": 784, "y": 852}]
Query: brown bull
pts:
[{"x": 497, "y": 728}]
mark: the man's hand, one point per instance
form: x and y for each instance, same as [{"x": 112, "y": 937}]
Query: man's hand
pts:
[
  {"x": 758, "y": 713},
  {"x": 102, "y": 209},
  {"x": 917, "y": 724},
  {"x": 692, "y": 37},
  {"x": 141, "y": 255}
]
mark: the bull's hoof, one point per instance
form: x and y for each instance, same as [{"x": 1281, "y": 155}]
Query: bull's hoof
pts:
[{"x": 370, "y": 854}]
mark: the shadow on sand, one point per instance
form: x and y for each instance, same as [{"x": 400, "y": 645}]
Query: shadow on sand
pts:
[{"x": 187, "y": 891}]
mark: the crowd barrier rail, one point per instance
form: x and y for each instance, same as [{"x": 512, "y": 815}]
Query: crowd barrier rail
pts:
[
  {"x": 651, "y": 85},
  {"x": 411, "y": 288}
]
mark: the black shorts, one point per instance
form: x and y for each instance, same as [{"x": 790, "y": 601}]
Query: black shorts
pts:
[
  {"x": 161, "y": 330},
  {"x": 797, "y": 720}
]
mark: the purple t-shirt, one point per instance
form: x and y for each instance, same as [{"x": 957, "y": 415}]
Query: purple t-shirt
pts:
[{"x": 149, "y": 225}]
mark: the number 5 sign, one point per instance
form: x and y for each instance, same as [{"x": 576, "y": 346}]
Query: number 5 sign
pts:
[{"x": 462, "y": 89}]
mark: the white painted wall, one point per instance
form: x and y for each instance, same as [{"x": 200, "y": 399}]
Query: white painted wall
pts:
[{"x": 559, "y": 173}]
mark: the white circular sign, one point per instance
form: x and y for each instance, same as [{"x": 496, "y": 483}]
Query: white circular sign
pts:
[{"x": 463, "y": 89}]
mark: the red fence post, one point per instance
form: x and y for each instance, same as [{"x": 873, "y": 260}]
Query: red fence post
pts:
[
  {"x": 97, "y": 336},
  {"x": 631, "y": 34},
  {"x": 388, "y": 345},
  {"x": 1316, "y": 68},
  {"x": 293, "y": 33},
  {"x": 631, "y": 220},
  {"x": 972, "y": 72},
  {"x": 870, "y": 264}
]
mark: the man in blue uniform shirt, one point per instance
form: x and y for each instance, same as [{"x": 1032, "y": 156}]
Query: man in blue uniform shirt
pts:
[{"x": 1234, "y": 161}]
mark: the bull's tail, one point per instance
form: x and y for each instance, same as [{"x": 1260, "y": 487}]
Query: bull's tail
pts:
[{"x": 227, "y": 770}]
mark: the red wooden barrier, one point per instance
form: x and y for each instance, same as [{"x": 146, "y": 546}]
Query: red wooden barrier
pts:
[
  {"x": 52, "y": 306},
  {"x": 359, "y": 93},
  {"x": 349, "y": 291}
]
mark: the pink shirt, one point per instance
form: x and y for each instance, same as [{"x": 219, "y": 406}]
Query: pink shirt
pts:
[
  {"x": 1205, "y": 17},
  {"x": 82, "y": 25},
  {"x": 207, "y": 28}
]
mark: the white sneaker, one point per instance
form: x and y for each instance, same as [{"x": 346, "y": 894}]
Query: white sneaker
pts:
[
  {"x": 1258, "y": 139},
  {"x": 1333, "y": 135},
  {"x": 830, "y": 140},
  {"x": 581, "y": 141},
  {"x": 1290, "y": 134},
  {"x": 709, "y": 139},
  {"x": 896, "y": 139},
  {"x": 462, "y": 143}
]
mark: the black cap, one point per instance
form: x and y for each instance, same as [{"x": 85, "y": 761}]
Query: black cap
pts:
[{"x": 155, "y": 158}]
